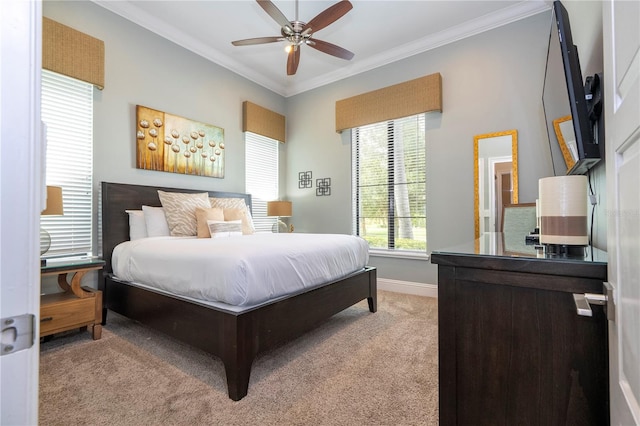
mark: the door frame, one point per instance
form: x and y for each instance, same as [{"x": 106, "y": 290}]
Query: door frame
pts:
[
  {"x": 622, "y": 143},
  {"x": 21, "y": 191}
]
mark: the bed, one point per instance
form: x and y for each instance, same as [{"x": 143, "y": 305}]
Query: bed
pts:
[{"x": 235, "y": 335}]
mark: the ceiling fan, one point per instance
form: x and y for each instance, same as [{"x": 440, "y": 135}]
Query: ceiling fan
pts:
[{"x": 297, "y": 33}]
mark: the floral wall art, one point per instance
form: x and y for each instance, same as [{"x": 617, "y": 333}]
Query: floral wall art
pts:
[{"x": 169, "y": 143}]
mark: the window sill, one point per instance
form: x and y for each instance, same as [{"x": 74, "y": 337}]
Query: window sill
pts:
[{"x": 399, "y": 254}]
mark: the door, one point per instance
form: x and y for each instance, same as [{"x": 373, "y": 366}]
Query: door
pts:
[
  {"x": 622, "y": 126},
  {"x": 20, "y": 206},
  {"x": 503, "y": 191}
]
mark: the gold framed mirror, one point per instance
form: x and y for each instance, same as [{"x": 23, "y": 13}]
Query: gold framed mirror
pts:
[
  {"x": 495, "y": 178},
  {"x": 563, "y": 128}
]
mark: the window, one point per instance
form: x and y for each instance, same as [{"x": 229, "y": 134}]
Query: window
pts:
[
  {"x": 389, "y": 184},
  {"x": 261, "y": 177},
  {"x": 67, "y": 111}
]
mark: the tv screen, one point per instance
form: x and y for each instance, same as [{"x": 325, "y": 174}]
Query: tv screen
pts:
[{"x": 572, "y": 120}]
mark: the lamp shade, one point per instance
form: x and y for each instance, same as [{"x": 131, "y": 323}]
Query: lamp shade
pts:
[
  {"x": 563, "y": 210},
  {"x": 279, "y": 208},
  {"x": 54, "y": 201}
]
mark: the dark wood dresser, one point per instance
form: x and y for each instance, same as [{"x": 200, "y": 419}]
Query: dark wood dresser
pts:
[{"x": 512, "y": 348}]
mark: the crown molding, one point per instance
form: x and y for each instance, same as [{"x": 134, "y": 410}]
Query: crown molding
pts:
[
  {"x": 479, "y": 25},
  {"x": 136, "y": 15}
]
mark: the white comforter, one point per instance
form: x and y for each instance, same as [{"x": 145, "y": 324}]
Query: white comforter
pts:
[{"x": 241, "y": 271}]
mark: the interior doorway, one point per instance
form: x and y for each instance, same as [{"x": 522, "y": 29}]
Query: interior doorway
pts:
[{"x": 503, "y": 190}]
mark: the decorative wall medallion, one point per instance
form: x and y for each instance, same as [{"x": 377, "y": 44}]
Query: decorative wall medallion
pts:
[
  {"x": 170, "y": 143},
  {"x": 323, "y": 187},
  {"x": 304, "y": 180}
]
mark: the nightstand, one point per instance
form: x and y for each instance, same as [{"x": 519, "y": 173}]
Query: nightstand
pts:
[{"x": 76, "y": 306}]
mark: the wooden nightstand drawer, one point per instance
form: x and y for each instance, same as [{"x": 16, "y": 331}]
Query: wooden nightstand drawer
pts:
[
  {"x": 63, "y": 311},
  {"x": 76, "y": 307}
]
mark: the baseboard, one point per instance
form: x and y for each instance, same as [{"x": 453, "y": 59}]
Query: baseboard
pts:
[{"x": 407, "y": 287}]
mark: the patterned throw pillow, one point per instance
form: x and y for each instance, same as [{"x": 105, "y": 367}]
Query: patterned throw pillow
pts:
[
  {"x": 236, "y": 203},
  {"x": 180, "y": 210},
  {"x": 203, "y": 215},
  {"x": 239, "y": 214},
  {"x": 221, "y": 228}
]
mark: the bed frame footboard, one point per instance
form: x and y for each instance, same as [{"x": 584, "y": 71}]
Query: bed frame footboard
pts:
[{"x": 237, "y": 338}]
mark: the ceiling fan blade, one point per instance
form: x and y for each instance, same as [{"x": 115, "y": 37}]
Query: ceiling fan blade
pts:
[
  {"x": 275, "y": 13},
  {"x": 293, "y": 60},
  {"x": 257, "y": 40},
  {"x": 329, "y": 15},
  {"x": 331, "y": 49}
]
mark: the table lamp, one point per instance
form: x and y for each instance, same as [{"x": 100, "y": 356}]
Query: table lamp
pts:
[
  {"x": 54, "y": 208},
  {"x": 280, "y": 209},
  {"x": 563, "y": 214}
]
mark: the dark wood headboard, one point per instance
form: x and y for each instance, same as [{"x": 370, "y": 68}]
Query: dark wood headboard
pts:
[{"x": 118, "y": 197}]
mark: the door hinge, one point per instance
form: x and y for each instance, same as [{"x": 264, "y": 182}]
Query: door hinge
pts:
[{"x": 18, "y": 333}]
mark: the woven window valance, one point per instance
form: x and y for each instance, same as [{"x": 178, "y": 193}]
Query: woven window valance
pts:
[
  {"x": 412, "y": 97},
  {"x": 72, "y": 53},
  {"x": 262, "y": 121}
]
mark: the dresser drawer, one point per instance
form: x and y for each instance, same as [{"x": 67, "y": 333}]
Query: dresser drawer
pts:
[{"x": 60, "y": 312}]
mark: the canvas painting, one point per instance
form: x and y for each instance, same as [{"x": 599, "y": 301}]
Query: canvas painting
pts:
[{"x": 169, "y": 143}]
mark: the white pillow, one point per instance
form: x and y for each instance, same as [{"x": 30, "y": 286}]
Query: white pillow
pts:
[
  {"x": 137, "y": 226},
  {"x": 180, "y": 210},
  {"x": 156, "y": 222},
  {"x": 222, "y": 229}
]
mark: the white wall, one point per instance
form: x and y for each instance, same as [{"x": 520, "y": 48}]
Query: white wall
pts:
[
  {"x": 141, "y": 68},
  {"x": 490, "y": 82},
  {"x": 586, "y": 29}
]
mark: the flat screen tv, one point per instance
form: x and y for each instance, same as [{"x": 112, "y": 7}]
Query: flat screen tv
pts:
[{"x": 572, "y": 107}]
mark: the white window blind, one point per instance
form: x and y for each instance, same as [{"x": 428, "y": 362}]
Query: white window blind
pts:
[
  {"x": 67, "y": 110},
  {"x": 261, "y": 177},
  {"x": 389, "y": 184}
]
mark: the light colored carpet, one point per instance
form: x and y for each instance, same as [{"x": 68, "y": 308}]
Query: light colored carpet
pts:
[{"x": 357, "y": 368}]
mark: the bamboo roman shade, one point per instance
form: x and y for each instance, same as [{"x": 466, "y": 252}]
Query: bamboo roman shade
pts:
[
  {"x": 72, "y": 53},
  {"x": 412, "y": 97},
  {"x": 259, "y": 120}
]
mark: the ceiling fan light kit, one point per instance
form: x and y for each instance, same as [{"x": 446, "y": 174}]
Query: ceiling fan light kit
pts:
[{"x": 297, "y": 33}]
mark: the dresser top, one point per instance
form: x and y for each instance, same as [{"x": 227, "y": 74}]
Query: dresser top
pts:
[{"x": 495, "y": 250}]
